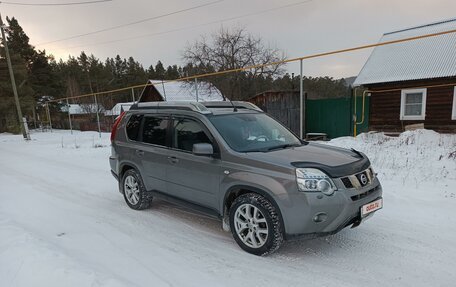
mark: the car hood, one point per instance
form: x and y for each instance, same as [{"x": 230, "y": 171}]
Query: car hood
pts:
[{"x": 335, "y": 161}]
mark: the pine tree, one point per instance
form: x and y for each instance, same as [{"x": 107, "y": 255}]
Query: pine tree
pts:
[
  {"x": 151, "y": 73},
  {"x": 172, "y": 73},
  {"x": 22, "y": 54},
  {"x": 160, "y": 71}
]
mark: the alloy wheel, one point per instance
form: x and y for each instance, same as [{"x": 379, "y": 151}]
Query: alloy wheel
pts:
[
  {"x": 250, "y": 225},
  {"x": 131, "y": 189}
]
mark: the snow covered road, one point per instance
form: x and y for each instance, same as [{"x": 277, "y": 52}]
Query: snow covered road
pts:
[{"x": 63, "y": 223}]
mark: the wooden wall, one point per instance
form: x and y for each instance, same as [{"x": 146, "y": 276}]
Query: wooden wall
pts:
[
  {"x": 385, "y": 106},
  {"x": 281, "y": 105}
]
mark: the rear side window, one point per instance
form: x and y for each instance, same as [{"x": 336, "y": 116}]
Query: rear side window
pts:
[
  {"x": 133, "y": 126},
  {"x": 188, "y": 132},
  {"x": 154, "y": 130}
]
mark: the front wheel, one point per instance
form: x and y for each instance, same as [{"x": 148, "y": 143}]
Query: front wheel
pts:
[
  {"x": 134, "y": 192},
  {"x": 255, "y": 224}
]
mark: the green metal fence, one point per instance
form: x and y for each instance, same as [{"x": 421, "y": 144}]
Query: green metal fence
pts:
[{"x": 335, "y": 116}]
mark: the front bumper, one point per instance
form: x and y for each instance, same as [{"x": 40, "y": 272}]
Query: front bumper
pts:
[{"x": 338, "y": 211}]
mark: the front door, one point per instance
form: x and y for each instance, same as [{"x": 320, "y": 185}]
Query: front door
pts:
[{"x": 191, "y": 177}]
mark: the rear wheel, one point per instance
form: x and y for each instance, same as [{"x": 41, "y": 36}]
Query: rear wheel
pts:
[
  {"x": 134, "y": 192},
  {"x": 255, "y": 224}
]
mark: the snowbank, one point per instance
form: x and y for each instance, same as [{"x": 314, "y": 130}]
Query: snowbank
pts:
[
  {"x": 415, "y": 158},
  {"x": 63, "y": 223}
]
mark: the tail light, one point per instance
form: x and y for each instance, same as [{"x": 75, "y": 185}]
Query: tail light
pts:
[{"x": 115, "y": 126}]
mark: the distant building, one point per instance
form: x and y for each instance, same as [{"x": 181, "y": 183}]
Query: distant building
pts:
[
  {"x": 84, "y": 117},
  {"x": 180, "y": 91},
  {"x": 413, "y": 82},
  {"x": 118, "y": 109},
  {"x": 82, "y": 109}
]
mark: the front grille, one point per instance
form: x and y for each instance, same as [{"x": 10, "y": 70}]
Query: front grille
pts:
[
  {"x": 358, "y": 180},
  {"x": 362, "y": 178},
  {"x": 364, "y": 194},
  {"x": 347, "y": 182}
]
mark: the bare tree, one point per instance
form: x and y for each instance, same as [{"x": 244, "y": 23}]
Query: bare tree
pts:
[{"x": 233, "y": 49}]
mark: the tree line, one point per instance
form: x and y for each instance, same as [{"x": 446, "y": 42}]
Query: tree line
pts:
[{"x": 40, "y": 77}]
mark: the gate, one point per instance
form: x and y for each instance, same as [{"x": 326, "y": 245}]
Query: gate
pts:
[{"x": 333, "y": 117}]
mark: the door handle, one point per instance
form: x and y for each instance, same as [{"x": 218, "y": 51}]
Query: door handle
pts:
[
  {"x": 173, "y": 159},
  {"x": 139, "y": 152}
]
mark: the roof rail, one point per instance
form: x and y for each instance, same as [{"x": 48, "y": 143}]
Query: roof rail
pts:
[
  {"x": 228, "y": 105},
  {"x": 178, "y": 105}
]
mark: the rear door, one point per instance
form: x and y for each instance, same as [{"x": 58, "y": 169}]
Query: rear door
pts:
[
  {"x": 154, "y": 151},
  {"x": 191, "y": 177}
]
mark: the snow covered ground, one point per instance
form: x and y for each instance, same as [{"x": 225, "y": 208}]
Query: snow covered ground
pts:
[{"x": 63, "y": 223}]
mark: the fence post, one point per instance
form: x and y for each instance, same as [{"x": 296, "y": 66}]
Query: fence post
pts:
[
  {"x": 301, "y": 103},
  {"x": 69, "y": 116},
  {"x": 164, "y": 90},
  {"x": 133, "y": 94},
  {"x": 49, "y": 116},
  {"x": 98, "y": 116},
  {"x": 196, "y": 88}
]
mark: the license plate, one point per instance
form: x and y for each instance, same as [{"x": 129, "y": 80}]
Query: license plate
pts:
[{"x": 371, "y": 207}]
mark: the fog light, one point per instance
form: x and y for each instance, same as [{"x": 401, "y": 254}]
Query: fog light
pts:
[{"x": 320, "y": 217}]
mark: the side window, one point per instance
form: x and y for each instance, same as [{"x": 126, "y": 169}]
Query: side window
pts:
[
  {"x": 133, "y": 125},
  {"x": 154, "y": 130},
  {"x": 413, "y": 104},
  {"x": 188, "y": 132}
]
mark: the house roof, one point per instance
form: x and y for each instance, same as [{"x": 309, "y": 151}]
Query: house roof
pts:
[
  {"x": 119, "y": 108},
  {"x": 427, "y": 58},
  {"x": 185, "y": 91}
]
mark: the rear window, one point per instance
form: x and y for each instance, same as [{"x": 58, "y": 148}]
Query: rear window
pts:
[
  {"x": 154, "y": 130},
  {"x": 133, "y": 125}
]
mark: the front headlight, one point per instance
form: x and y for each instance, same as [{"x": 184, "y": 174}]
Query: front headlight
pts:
[{"x": 314, "y": 180}]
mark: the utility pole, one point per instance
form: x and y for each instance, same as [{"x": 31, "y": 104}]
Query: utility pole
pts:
[{"x": 13, "y": 82}]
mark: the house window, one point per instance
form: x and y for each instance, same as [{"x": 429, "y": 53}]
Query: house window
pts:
[
  {"x": 453, "y": 113},
  {"x": 413, "y": 104}
]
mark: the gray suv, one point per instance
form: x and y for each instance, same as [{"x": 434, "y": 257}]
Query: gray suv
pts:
[{"x": 234, "y": 162}]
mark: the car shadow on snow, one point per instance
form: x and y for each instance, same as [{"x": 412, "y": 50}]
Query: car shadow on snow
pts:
[
  {"x": 189, "y": 217},
  {"x": 322, "y": 247},
  {"x": 328, "y": 246}
]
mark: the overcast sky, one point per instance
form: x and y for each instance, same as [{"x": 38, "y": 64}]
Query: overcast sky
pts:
[{"x": 312, "y": 27}]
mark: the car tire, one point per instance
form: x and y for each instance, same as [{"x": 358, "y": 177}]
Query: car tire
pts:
[
  {"x": 134, "y": 191},
  {"x": 255, "y": 224}
]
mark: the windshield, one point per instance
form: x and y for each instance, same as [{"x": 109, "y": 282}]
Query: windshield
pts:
[{"x": 253, "y": 132}]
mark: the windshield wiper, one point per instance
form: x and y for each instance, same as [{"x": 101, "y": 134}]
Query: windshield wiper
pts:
[{"x": 283, "y": 146}]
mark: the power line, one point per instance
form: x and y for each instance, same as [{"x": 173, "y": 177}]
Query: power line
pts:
[
  {"x": 318, "y": 55},
  {"x": 194, "y": 26},
  {"x": 53, "y": 4},
  {"x": 133, "y": 23}
]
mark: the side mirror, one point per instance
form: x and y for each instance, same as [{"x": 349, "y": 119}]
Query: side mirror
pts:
[{"x": 203, "y": 149}]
